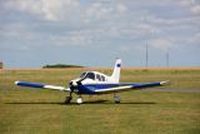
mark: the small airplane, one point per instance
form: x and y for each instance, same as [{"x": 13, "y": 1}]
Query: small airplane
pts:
[{"x": 94, "y": 83}]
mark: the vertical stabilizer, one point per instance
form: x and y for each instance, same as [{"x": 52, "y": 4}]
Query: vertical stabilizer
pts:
[{"x": 116, "y": 72}]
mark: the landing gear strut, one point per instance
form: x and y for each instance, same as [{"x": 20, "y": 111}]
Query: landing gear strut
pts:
[
  {"x": 68, "y": 98},
  {"x": 116, "y": 98}
]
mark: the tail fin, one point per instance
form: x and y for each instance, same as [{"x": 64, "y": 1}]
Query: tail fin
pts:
[{"x": 116, "y": 72}]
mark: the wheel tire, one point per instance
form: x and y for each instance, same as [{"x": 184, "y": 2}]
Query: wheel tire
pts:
[
  {"x": 79, "y": 101},
  {"x": 117, "y": 102},
  {"x": 117, "y": 99}
]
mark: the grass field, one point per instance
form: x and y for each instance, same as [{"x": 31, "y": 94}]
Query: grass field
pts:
[{"x": 36, "y": 111}]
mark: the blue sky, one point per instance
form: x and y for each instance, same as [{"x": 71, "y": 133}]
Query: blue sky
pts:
[{"x": 34, "y": 33}]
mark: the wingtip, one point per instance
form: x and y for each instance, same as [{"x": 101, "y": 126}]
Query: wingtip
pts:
[
  {"x": 16, "y": 82},
  {"x": 164, "y": 82}
]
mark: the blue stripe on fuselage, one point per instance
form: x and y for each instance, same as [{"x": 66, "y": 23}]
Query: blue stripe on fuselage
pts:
[{"x": 90, "y": 88}]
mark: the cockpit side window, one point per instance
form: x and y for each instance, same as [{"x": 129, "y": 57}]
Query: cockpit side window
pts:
[
  {"x": 98, "y": 77},
  {"x": 102, "y": 78},
  {"x": 90, "y": 76}
]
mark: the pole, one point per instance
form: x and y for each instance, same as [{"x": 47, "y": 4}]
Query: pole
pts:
[
  {"x": 147, "y": 55},
  {"x": 167, "y": 58}
]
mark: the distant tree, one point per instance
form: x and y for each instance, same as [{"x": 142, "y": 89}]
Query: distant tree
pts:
[{"x": 62, "y": 66}]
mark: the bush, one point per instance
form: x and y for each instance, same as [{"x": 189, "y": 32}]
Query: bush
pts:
[{"x": 62, "y": 66}]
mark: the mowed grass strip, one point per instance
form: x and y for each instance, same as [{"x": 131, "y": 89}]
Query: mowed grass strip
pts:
[{"x": 26, "y": 110}]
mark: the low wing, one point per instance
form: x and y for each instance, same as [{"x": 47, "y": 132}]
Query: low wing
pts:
[
  {"x": 40, "y": 85},
  {"x": 128, "y": 86}
]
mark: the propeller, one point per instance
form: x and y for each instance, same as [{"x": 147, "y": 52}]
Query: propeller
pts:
[{"x": 73, "y": 85}]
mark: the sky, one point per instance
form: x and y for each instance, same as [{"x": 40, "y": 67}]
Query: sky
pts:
[{"x": 34, "y": 33}]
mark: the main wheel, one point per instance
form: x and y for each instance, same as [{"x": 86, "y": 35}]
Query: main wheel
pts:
[
  {"x": 79, "y": 100},
  {"x": 117, "y": 99}
]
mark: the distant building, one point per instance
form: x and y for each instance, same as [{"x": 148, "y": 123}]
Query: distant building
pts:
[{"x": 1, "y": 65}]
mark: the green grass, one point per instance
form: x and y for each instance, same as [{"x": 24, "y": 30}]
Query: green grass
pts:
[{"x": 25, "y": 111}]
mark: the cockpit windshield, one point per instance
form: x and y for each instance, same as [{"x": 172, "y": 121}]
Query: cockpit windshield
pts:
[
  {"x": 89, "y": 75},
  {"x": 83, "y": 75}
]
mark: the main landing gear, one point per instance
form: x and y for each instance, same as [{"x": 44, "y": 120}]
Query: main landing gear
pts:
[
  {"x": 79, "y": 100},
  {"x": 69, "y": 98},
  {"x": 117, "y": 98}
]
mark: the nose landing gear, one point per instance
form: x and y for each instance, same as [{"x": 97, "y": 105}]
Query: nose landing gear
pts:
[{"x": 68, "y": 98}]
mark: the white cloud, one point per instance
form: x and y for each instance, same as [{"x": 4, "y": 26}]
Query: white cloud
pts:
[
  {"x": 101, "y": 11},
  {"x": 16, "y": 31},
  {"x": 105, "y": 21},
  {"x": 75, "y": 38},
  {"x": 119, "y": 25},
  {"x": 193, "y": 5},
  {"x": 161, "y": 43},
  {"x": 196, "y": 9},
  {"x": 194, "y": 39},
  {"x": 52, "y": 10},
  {"x": 121, "y": 8}
]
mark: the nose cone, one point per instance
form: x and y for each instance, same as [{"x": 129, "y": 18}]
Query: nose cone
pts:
[{"x": 74, "y": 83}]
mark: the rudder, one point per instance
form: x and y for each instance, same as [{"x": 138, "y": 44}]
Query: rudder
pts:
[{"x": 116, "y": 72}]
